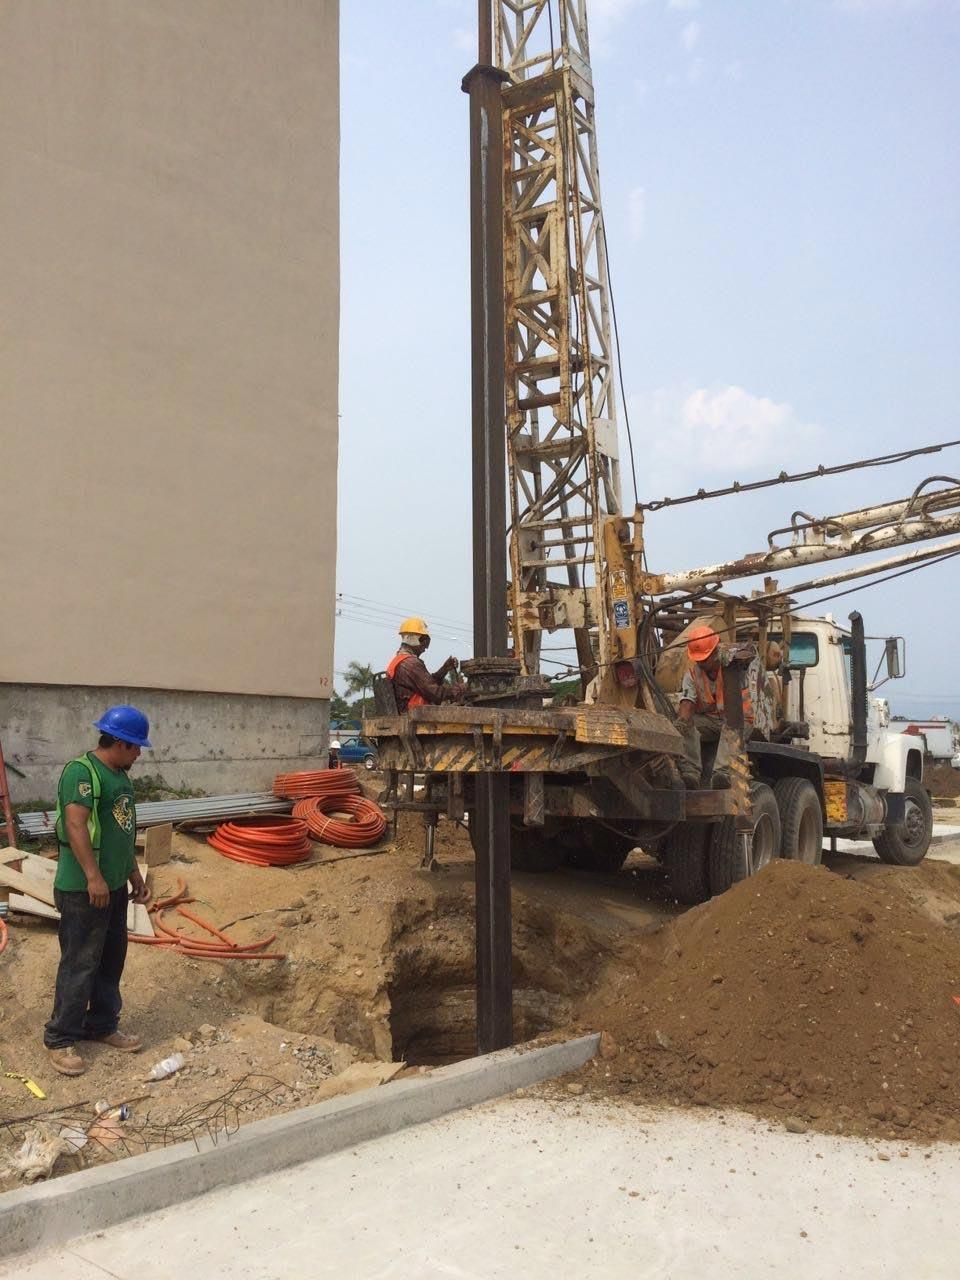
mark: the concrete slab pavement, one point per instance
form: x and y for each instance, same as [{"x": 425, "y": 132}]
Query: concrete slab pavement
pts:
[{"x": 542, "y": 1189}]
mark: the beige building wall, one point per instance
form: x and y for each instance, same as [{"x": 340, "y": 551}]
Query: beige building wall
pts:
[{"x": 168, "y": 343}]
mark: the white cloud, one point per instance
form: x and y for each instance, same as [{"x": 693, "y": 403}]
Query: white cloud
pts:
[
  {"x": 695, "y": 70},
  {"x": 690, "y": 35},
  {"x": 683, "y": 5},
  {"x": 636, "y": 212},
  {"x": 604, "y": 16},
  {"x": 691, "y": 437}
]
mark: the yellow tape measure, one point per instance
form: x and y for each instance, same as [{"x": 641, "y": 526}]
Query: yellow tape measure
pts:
[{"x": 31, "y": 1084}]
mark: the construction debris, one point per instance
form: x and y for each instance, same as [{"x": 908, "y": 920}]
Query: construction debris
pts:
[{"x": 41, "y": 1149}]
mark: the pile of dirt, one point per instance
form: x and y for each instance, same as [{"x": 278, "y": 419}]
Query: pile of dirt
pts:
[
  {"x": 941, "y": 780},
  {"x": 825, "y": 1001}
]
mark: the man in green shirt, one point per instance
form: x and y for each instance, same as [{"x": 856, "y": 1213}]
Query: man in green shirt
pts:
[{"x": 96, "y": 828}]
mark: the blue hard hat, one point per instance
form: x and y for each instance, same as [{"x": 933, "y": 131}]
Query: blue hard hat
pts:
[{"x": 126, "y": 723}]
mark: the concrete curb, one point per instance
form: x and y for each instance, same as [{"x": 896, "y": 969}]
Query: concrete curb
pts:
[{"x": 52, "y": 1213}]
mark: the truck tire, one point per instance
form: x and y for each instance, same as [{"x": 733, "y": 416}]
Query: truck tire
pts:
[
  {"x": 684, "y": 853},
  {"x": 801, "y": 821},
  {"x": 591, "y": 846},
  {"x": 725, "y": 860},
  {"x": 907, "y": 845}
]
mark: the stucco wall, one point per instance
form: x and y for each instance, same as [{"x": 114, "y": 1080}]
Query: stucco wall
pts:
[
  {"x": 168, "y": 343},
  {"x": 218, "y": 743}
]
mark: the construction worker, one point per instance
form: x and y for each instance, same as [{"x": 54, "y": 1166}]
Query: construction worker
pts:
[
  {"x": 413, "y": 685},
  {"x": 700, "y": 716},
  {"x": 96, "y": 827}
]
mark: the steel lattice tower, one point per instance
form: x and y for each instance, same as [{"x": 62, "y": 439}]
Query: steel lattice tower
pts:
[{"x": 562, "y": 447}]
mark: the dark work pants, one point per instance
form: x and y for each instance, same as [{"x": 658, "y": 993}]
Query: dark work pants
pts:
[{"x": 93, "y": 948}]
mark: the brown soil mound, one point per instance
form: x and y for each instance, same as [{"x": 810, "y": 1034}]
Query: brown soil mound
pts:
[
  {"x": 799, "y": 993},
  {"x": 942, "y": 780}
]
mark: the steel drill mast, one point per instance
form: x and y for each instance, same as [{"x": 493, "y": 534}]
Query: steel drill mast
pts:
[{"x": 562, "y": 448}]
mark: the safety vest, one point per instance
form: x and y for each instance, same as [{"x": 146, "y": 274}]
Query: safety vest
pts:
[
  {"x": 416, "y": 699},
  {"x": 93, "y": 822},
  {"x": 710, "y": 694}
]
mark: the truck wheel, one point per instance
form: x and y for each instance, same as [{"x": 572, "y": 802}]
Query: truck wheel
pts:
[
  {"x": 727, "y": 865},
  {"x": 593, "y": 847},
  {"x": 684, "y": 852},
  {"x": 369, "y": 762},
  {"x": 907, "y": 845},
  {"x": 801, "y": 821}
]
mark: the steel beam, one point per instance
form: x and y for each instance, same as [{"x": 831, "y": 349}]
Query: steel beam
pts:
[{"x": 490, "y": 819}]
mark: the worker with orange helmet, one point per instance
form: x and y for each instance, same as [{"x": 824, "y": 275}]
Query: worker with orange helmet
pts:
[
  {"x": 700, "y": 713},
  {"x": 413, "y": 684}
]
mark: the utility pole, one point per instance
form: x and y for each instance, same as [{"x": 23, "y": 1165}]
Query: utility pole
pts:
[{"x": 490, "y": 819}]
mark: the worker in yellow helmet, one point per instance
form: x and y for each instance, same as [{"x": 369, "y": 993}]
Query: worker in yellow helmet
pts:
[{"x": 413, "y": 684}]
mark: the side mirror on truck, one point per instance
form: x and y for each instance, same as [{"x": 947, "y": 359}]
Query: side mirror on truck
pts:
[
  {"x": 895, "y": 660},
  {"x": 895, "y": 653}
]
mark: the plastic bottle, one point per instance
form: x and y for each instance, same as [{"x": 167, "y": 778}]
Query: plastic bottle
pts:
[{"x": 166, "y": 1067}]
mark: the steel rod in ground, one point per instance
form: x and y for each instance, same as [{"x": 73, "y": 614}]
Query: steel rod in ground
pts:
[{"x": 490, "y": 819}]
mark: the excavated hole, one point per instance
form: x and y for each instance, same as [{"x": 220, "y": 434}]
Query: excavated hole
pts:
[
  {"x": 433, "y": 1014},
  {"x": 431, "y": 993},
  {"x": 411, "y": 996}
]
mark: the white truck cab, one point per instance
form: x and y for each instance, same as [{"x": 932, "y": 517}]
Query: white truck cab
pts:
[{"x": 872, "y": 778}]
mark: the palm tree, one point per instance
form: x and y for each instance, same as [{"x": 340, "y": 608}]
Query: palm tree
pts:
[{"x": 358, "y": 679}]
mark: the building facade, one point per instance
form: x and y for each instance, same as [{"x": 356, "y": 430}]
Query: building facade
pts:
[{"x": 168, "y": 365}]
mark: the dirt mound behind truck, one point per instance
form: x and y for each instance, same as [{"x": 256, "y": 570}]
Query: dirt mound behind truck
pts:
[{"x": 801, "y": 994}]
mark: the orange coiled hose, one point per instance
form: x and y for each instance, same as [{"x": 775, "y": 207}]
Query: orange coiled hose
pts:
[
  {"x": 322, "y": 782},
  {"x": 347, "y": 822},
  {"x": 266, "y": 842},
  {"x": 3, "y": 935}
]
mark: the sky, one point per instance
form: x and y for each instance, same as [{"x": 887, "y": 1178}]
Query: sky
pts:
[{"x": 782, "y": 197}]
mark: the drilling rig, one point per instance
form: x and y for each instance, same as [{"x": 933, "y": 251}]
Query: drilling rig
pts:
[{"x": 558, "y": 560}]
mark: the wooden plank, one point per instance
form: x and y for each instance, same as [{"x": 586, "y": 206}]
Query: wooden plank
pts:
[
  {"x": 32, "y": 886},
  {"x": 31, "y": 907},
  {"x": 34, "y": 865},
  {"x": 158, "y": 844},
  {"x": 139, "y": 920},
  {"x": 31, "y": 863}
]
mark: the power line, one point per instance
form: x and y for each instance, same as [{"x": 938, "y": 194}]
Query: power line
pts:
[
  {"x": 380, "y": 606},
  {"x": 882, "y": 460}
]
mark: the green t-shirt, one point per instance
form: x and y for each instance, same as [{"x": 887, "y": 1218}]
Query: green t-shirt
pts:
[{"x": 118, "y": 825}]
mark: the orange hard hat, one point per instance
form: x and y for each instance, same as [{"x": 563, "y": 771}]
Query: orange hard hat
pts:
[{"x": 701, "y": 642}]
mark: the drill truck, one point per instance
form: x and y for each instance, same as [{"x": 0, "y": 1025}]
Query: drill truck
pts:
[{"x": 586, "y": 783}]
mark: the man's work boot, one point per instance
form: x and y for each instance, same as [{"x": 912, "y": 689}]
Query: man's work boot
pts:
[
  {"x": 690, "y": 777},
  {"x": 120, "y": 1040},
  {"x": 67, "y": 1061},
  {"x": 720, "y": 780}
]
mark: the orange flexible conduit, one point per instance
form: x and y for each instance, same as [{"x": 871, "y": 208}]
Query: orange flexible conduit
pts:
[
  {"x": 323, "y": 782},
  {"x": 219, "y": 947},
  {"x": 265, "y": 842},
  {"x": 3, "y": 935},
  {"x": 363, "y": 825}
]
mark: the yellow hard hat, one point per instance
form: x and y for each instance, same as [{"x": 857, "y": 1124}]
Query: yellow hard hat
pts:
[{"x": 413, "y": 627}]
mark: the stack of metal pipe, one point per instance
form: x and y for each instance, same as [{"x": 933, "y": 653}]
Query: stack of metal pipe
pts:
[{"x": 34, "y": 826}]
